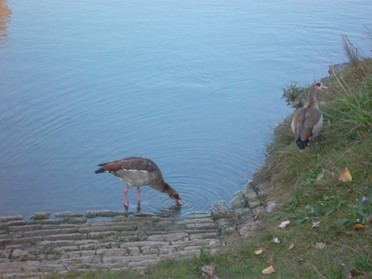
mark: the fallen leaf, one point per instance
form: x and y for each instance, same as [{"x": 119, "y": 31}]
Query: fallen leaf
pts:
[
  {"x": 141, "y": 273},
  {"x": 359, "y": 226},
  {"x": 345, "y": 176},
  {"x": 268, "y": 270},
  {"x": 348, "y": 275},
  {"x": 291, "y": 246},
  {"x": 320, "y": 245},
  {"x": 356, "y": 142},
  {"x": 276, "y": 240},
  {"x": 212, "y": 242},
  {"x": 284, "y": 224},
  {"x": 316, "y": 224},
  {"x": 354, "y": 272},
  {"x": 257, "y": 215},
  {"x": 259, "y": 251},
  {"x": 209, "y": 270},
  {"x": 369, "y": 219}
]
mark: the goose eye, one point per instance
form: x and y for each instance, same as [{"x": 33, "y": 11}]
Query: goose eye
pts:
[
  {"x": 176, "y": 196},
  {"x": 318, "y": 84}
]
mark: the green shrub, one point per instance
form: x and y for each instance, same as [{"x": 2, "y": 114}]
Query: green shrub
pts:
[{"x": 295, "y": 95}]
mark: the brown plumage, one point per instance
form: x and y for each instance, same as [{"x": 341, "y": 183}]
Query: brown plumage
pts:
[
  {"x": 308, "y": 121},
  {"x": 137, "y": 172}
]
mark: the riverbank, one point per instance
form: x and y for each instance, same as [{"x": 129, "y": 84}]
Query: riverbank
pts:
[{"x": 302, "y": 214}]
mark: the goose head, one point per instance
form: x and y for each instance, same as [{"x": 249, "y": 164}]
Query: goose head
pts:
[{"x": 173, "y": 194}]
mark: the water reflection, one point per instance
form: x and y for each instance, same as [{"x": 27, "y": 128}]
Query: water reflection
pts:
[
  {"x": 170, "y": 211},
  {"x": 5, "y": 14}
]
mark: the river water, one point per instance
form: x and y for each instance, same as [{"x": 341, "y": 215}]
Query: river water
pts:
[{"x": 193, "y": 85}]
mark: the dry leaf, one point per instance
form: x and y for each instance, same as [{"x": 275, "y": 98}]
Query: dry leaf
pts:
[
  {"x": 348, "y": 275},
  {"x": 369, "y": 219},
  {"x": 345, "y": 176},
  {"x": 359, "y": 226},
  {"x": 259, "y": 251},
  {"x": 268, "y": 270},
  {"x": 284, "y": 224},
  {"x": 316, "y": 224},
  {"x": 141, "y": 273},
  {"x": 320, "y": 245},
  {"x": 276, "y": 240},
  {"x": 354, "y": 272},
  {"x": 212, "y": 242},
  {"x": 208, "y": 270},
  {"x": 291, "y": 246},
  {"x": 257, "y": 215}
]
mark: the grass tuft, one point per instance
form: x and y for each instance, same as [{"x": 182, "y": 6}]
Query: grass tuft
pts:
[{"x": 351, "y": 52}]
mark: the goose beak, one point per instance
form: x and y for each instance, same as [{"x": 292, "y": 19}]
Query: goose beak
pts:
[
  {"x": 324, "y": 87},
  {"x": 178, "y": 202}
]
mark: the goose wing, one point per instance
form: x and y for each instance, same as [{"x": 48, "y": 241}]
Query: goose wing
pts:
[
  {"x": 304, "y": 121},
  {"x": 312, "y": 117},
  {"x": 130, "y": 163}
]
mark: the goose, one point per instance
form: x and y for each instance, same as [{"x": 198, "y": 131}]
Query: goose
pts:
[
  {"x": 137, "y": 172},
  {"x": 308, "y": 121}
]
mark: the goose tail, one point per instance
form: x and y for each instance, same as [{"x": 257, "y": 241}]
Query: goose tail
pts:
[
  {"x": 100, "y": 170},
  {"x": 301, "y": 143}
]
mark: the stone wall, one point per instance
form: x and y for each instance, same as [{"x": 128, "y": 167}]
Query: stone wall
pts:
[{"x": 109, "y": 240}]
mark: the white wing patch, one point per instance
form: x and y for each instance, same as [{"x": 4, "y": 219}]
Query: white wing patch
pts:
[{"x": 135, "y": 170}]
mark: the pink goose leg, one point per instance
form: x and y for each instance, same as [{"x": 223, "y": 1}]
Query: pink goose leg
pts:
[
  {"x": 126, "y": 204},
  {"x": 138, "y": 196}
]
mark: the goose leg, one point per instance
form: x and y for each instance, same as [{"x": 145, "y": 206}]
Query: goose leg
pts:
[
  {"x": 138, "y": 198},
  {"x": 126, "y": 204}
]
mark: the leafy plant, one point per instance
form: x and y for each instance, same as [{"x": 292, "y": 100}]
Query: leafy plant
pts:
[
  {"x": 360, "y": 211},
  {"x": 310, "y": 176},
  {"x": 295, "y": 95}
]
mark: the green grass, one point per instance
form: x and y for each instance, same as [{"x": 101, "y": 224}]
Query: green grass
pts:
[{"x": 306, "y": 188}]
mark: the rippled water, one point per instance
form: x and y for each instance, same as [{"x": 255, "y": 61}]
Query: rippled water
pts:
[{"x": 194, "y": 85}]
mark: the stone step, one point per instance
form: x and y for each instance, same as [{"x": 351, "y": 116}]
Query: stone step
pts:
[
  {"x": 74, "y": 241},
  {"x": 49, "y": 232},
  {"x": 4, "y": 219}
]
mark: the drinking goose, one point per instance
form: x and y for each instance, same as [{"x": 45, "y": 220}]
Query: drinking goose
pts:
[
  {"x": 137, "y": 172},
  {"x": 308, "y": 121}
]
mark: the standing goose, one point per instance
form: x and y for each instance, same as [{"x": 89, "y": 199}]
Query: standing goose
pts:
[
  {"x": 137, "y": 172},
  {"x": 308, "y": 121}
]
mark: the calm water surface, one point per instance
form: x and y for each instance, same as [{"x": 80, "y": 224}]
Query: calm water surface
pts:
[{"x": 194, "y": 85}]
